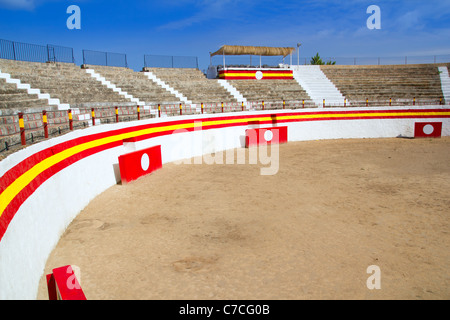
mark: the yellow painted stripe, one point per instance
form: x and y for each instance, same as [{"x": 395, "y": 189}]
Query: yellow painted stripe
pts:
[
  {"x": 265, "y": 75},
  {"x": 21, "y": 182},
  {"x": 26, "y": 178}
]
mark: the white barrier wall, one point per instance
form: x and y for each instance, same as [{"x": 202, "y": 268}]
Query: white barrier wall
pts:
[{"x": 40, "y": 219}]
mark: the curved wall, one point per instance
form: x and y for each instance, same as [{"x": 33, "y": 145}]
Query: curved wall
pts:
[{"x": 44, "y": 187}]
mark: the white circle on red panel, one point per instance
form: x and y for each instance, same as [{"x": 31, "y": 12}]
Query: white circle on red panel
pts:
[
  {"x": 145, "y": 162},
  {"x": 259, "y": 75},
  {"x": 428, "y": 129},
  {"x": 268, "y": 135}
]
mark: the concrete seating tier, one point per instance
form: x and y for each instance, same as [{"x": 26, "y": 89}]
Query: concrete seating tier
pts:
[
  {"x": 136, "y": 84},
  {"x": 63, "y": 81},
  {"x": 399, "y": 82},
  {"x": 193, "y": 84},
  {"x": 13, "y": 100},
  {"x": 270, "y": 90}
]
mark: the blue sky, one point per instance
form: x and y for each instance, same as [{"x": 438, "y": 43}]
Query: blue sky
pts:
[{"x": 195, "y": 28}]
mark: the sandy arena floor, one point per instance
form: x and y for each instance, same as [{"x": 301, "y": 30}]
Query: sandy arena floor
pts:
[{"x": 309, "y": 232}]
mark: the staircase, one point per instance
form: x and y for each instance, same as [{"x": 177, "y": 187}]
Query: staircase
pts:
[
  {"x": 445, "y": 83},
  {"x": 112, "y": 86},
  {"x": 318, "y": 86},
  {"x": 233, "y": 91},
  {"x": 164, "y": 85}
]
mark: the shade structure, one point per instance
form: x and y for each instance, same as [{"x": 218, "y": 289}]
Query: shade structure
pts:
[{"x": 251, "y": 50}]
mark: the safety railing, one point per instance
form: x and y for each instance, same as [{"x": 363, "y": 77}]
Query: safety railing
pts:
[
  {"x": 101, "y": 58},
  {"x": 158, "y": 61},
  {"x": 20, "y": 51},
  {"x": 25, "y": 128}
]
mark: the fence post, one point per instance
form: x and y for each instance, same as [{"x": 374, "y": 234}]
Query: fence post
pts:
[
  {"x": 44, "y": 119},
  {"x": 70, "y": 119},
  {"x": 93, "y": 116},
  {"x": 22, "y": 129},
  {"x": 14, "y": 50}
]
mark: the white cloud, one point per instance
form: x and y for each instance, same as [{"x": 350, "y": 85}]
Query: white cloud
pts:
[
  {"x": 206, "y": 10},
  {"x": 18, "y": 4}
]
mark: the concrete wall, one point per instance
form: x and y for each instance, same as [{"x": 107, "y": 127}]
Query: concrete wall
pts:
[{"x": 40, "y": 218}]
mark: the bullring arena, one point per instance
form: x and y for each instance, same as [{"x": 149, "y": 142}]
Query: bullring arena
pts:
[{"x": 155, "y": 189}]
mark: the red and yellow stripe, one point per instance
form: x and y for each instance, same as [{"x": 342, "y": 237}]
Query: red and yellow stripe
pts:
[
  {"x": 250, "y": 74},
  {"x": 18, "y": 183}
]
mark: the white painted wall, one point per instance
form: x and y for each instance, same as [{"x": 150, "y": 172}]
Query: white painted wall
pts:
[{"x": 41, "y": 220}]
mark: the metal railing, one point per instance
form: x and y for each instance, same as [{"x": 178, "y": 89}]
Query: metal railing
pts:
[
  {"x": 157, "y": 61},
  {"x": 276, "y": 61},
  {"x": 101, "y": 58},
  {"x": 20, "y": 51},
  {"x": 21, "y": 129}
]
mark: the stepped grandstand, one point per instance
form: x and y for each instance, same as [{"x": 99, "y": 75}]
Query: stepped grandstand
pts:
[{"x": 94, "y": 93}]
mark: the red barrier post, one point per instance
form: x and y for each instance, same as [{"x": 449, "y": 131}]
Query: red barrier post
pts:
[
  {"x": 44, "y": 120},
  {"x": 93, "y": 116},
  {"x": 70, "y": 119},
  {"x": 22, "y": 129},
  {"x": 62, "y": 284}
]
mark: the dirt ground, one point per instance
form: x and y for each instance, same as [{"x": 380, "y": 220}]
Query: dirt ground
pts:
[{"x": 334, "y": 208}]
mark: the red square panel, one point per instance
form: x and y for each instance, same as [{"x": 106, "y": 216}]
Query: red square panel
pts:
[
  {"x": 427, "y": 129},
  {"x": 139, "y": 163},
  {"x": 259, "y": 136}
]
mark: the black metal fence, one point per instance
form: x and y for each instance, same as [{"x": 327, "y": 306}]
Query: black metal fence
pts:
[
  {"x": 100, "y": 58},
  {"x": 13, "y": 50},
  {"x": 155, "y": 61}
]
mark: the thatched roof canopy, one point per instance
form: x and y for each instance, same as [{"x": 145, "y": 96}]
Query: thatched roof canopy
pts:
[{"x": 250, "y": 50}]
